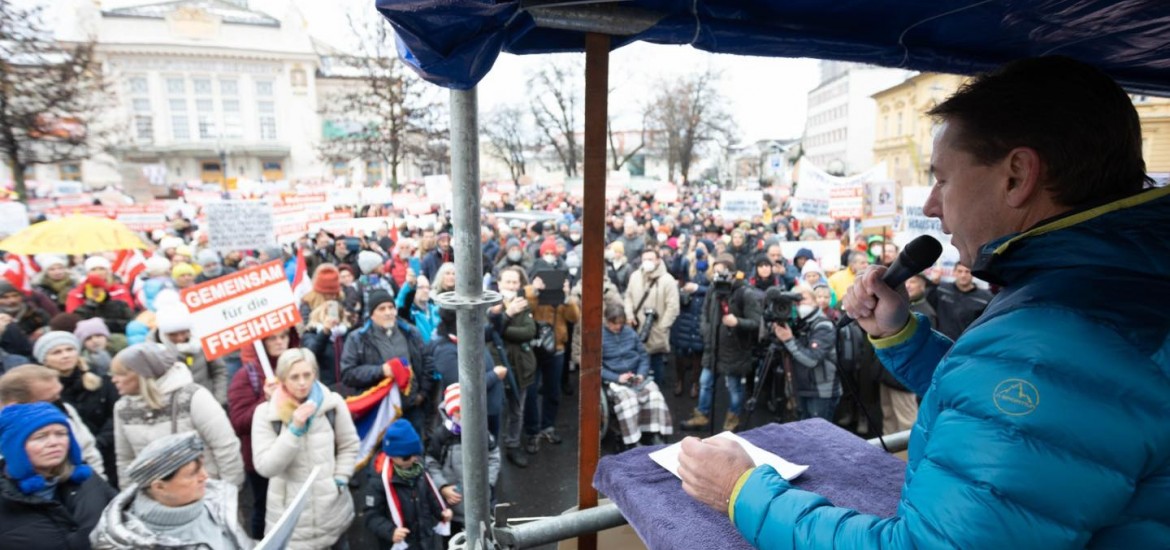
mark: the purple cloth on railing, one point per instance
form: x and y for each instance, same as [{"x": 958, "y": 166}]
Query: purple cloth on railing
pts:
[{"x": 842, "y": 467}]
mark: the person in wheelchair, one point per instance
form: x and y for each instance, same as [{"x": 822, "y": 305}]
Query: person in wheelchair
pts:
[{"x": 638, "y": 404}]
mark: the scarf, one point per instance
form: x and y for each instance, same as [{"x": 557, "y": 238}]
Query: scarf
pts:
[
  {"x": 411, "y": 473},
  {"x": 284, "y": 404},
  {"x": 443, "y": 528},
  {"x": 59, "y": 288}
]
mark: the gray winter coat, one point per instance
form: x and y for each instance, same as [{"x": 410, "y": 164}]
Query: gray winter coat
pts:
[{"x": 119, "y": 529}]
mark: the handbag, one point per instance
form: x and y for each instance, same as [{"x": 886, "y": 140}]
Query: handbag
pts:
[{"x": 546, "y": 338}]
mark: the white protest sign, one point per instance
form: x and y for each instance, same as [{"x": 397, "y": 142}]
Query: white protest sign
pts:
[
  {"x": 239, "y": 225},
  {"x": 815, "y": 197},
  {"x": 827, "y": 252},
  {"x": 234, "y": 310},
  {"x": 915, "y": 224},
  {"x": 13, "y": 217},
  {"x": 280, "y": 534},
  {"x": 741, "y": 205}
]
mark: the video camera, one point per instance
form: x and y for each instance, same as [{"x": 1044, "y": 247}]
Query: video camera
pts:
[
  {"x": 721, "y": 283},
  {"x": 779, "y": 305},
  {"x": 647, "y": 325}
]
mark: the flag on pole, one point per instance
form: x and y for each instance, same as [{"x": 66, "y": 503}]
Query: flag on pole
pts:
[
  {"x": 17, "y": 271},
  {"x": 128, "y": 265},
  {"x": 378, "y": 407},
  {"x": 300, "y": 283}
]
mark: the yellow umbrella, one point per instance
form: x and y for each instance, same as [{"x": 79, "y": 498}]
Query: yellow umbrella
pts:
[{"x": 72, "y": 235}]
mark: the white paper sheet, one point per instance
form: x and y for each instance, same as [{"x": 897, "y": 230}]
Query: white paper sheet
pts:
[{"x": 668, "y": 457}]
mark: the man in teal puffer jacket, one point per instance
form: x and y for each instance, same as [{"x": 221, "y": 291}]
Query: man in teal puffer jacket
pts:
[{"x": 1047, "y": 424}]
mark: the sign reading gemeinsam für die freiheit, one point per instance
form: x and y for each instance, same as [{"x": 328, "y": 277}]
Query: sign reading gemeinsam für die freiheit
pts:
[{"x": 237, "y": 309}]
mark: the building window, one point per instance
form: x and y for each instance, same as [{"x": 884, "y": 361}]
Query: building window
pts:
[
  {"x": 264, "y": 88},
  {"x": 273, "y": 170},
  {"x": 211, "y": 172},
  {"x": 899, "y": 124},
  {"x": 180, "y": 128},
  {"x": 141, "y": 107},
  {"x": 70, "y": 172},
  {"x": 202, "y": 86},
  {"x": 340, "y": 168},
  {"x": 373, "y": 171},
  {"x": 206, "y": 112},
  {"x": 267, "y": 112},
  {"x": 176, "y": 86},
  {"x": 228, "y": 88}
]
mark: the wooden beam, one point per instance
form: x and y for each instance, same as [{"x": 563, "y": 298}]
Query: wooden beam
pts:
[{"x": 593, "y": 272}]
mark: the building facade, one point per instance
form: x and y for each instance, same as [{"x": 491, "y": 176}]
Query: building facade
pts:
[{"x": 839, "y": 129}]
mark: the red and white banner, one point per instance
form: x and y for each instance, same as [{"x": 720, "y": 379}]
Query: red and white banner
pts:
[{"x": 235, "y": 310}]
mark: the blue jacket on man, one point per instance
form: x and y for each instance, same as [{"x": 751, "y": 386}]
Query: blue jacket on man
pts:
[{"x": 1046, "y": 425}]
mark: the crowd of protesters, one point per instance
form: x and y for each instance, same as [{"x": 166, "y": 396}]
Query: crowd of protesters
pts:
[{"x": 116, "y": 430}]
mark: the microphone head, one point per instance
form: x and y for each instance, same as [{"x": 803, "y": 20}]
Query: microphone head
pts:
[{"x": 920, "y": 253}]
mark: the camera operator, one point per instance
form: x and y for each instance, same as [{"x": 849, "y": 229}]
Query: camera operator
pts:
[
  {"x": 651, "y": 302},
  {"x": 730, "y": 328},
  {"x": 811, "y": 339}
]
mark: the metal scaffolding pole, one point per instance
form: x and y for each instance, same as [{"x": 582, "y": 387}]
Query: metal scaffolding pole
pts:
[{"x": 470, "y": 301}]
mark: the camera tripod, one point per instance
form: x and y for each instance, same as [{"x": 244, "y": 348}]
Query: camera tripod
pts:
[{"x": 775, "y": 374}]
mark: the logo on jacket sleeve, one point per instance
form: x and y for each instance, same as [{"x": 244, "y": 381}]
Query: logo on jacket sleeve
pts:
[{"x": 1016, "y": 397}]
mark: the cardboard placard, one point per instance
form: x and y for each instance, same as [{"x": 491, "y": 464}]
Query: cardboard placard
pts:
[
  {"x": 234, "y": 310},
  {"x": 239, "y": 225},
  {"x": 741, "y": 205}
]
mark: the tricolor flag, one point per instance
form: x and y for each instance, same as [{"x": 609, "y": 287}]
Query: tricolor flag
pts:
[
  {"x": 300, "y": 283},
  {"x": 128, "y": 265},
  {"x": 378, "y": 407},
  {"x": 19, "y": 271}
]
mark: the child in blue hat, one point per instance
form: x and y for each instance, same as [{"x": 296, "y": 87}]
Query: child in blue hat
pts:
[{"x": 402, "y": 505}]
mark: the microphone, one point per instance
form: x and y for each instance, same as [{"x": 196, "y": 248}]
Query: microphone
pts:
[{"x": 918, "y": 255}]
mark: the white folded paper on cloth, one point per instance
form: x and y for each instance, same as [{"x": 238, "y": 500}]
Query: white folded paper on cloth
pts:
[{"x": 668, "y": 458}]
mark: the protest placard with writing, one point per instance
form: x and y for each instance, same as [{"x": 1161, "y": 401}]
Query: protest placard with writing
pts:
[
  {"x": 234, "y": 310},
  {"x": 239, "y": 225}
]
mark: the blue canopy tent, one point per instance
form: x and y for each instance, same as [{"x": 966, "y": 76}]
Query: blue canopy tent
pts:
[{"x": 454, "y": 43}]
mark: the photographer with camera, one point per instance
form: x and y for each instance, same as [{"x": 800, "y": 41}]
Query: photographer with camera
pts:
[
  {"x": 811, "y": 339},
  {"x": 651, "y": 302},
  {"x": 730, "y": 328}
]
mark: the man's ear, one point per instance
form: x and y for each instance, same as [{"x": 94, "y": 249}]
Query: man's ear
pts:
[{"x": 1025, "y": 169}]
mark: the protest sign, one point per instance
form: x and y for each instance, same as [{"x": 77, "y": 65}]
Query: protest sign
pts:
[
  {"x": 280, "y": 534},
  {"x": 815, "y": 197},
  {"x": 915, "y": 223},
  {"x": 234, "y": 310},
  {"x": 239, "y": 225},
  {"x": 846, "y": 201},
  {"x": 741, "y": 205},
  {"x": 827, "y": 252},
  {"x": 13, "y": 217}
]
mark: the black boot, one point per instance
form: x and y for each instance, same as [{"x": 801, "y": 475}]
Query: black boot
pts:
[{"x": 517, "y": 457}]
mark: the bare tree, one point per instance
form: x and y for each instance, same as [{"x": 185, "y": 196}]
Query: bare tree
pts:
[
  {"x": 508, "y": 138},
  {"x": 689, "y": 112},
  {"x": 557, "y": 108},
  {"x": 619, "y": 152},
  {"x": 51, "y": 95},
  {"x": 388, "y": 113}
]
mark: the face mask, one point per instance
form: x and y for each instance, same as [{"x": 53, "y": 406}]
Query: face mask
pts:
[
  {"x": 508, "y": 295},
  {"x": 649, "y": 266},
  {"x": 550, "y": 258},
  {"x": 805, "y": 310},
  {"x": 701, "y": 265},
  {"x": 575, "y": 238},
  {"x": 608, "y": 255},
  {"x": 186, "y": 348},
  {"x": 515, "y": 256},
  {"x": 213, "y": 271},
  {"x": 573, "y": 271}
]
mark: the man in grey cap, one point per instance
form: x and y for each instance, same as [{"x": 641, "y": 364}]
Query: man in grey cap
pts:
[{"x": 170, "y": 501}]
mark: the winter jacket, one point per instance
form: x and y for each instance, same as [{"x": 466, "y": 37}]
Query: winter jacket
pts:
[
  {"x": 118, "y": 529},
  {"x": 361, "y": 362},
  {"x": 136, "y": 425},
  {"x": 57, "y": 291},
  {"x": 662, "y": 298},
  {"x": 686, "y": 335},
  {"x": 30, "y": 319},
  {"x": 559, "y": 316},
  {"x": 286, "y": 460},
  {"x": 326, "y": 346},
  {"x": 96, "y": 409},
  {"x": 609, "y": 295},
  {"x": 244, "y": 397},
  {"x": 425, "y": 319},
  {"x": 814, "y": 358},
  {"x": 420, "y": 509},
  {"x": 734, "y": 344},
  {"x": 114, "y": 291},
  {"x": 444, "y": 355},
  {"x": 209, "y": 374},
  {"x": 745, "y": 256},
  {"x": 955, "y": 309},
  {"x": 444, "y": 462},
  {"x": 434, "y": 260},
  {"x": 89, "y": 450},
  {"x": 1044, "y": 425},
  {"x": 516, "y": 333},
  {"x": 31, "y": 523},
  {"x": 619, "y": 275},
  {"x": 116, "y": 313},
  {"x": 634, "y": 246},
  {"x": 621, "y": 353}
]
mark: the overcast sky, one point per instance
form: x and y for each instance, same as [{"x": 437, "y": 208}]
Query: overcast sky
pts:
[{"x": 767, "y": 96}]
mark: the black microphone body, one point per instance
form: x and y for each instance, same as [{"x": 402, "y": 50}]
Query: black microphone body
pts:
[{"x": 918, "y": 255}]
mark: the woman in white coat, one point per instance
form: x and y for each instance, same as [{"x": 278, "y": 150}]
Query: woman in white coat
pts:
[
  {"x": 159, "y": 398},
  {"x": 305, "y": 424}
]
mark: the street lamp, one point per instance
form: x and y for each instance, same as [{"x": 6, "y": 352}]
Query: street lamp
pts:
[{"x": 222, "y": 148}]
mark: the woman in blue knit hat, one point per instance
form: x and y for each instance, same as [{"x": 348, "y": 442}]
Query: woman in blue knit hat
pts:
[
  {"x": 401, "y": 504},
  {"x": 49, "y": 498}
]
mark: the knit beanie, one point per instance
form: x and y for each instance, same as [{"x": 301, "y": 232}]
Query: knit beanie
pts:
[
  {"x": 182, "y": 269},
  {"x": 327, "y": 279},
  {"x": 49, "y": 260},
  {"x": 368, "y": 261},
  {"x": 51, "y": 340},
  {"x": 158, "y": 266},
  {"x": 207, "y": 256},
  {"x": 811, "y": 266},
  {"x": 376, "y": 298},
  {"x": 95, "y": 262},
  {"x": 549, "y": 246},
  {"x": 451, "y": 400},
  {"x": 401, "y": 440},
  {"x": 164, "y": 456},
  {"x": 170, "y": 243},
  {"x": 89, "y": 328},
  {"x": 17, "y": 423},
  {"x": 172, "y": 318},
  {"x": 727, "y": 260},
  {"x": 273, "y": 253},
  {"x": 148, "y": 360},
  {"x": 64, "y": 321},
  {"x": 512, "y": 242}
]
